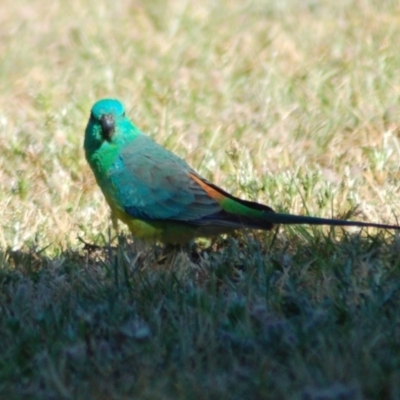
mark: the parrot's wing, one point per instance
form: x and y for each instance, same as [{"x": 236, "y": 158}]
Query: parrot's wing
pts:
[{"x": 151, "y": 183}]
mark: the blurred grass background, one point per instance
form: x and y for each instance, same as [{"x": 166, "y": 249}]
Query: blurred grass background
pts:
[
  {"x": 297, "y": 93},
  {"x": 291, "y": 103}
]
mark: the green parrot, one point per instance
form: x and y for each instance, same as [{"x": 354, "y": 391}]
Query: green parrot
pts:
[{"x": 159, "y": 196}]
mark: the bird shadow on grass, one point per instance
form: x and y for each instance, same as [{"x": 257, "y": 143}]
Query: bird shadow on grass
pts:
[
  {"x": 296, "y": 250},
  {"x": 267, "y": 315},
  {"x": 287, "y": 263}
]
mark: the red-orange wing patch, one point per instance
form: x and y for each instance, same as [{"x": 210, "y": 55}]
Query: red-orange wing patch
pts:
[{"x": 211, "y": 191}]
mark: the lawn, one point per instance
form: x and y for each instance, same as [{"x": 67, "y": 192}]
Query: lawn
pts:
[{"x": 295, "y": 104}]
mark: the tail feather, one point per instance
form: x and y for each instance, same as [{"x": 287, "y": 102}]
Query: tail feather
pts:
[
  {"x": 278, "y": 218},
  {"x": 254, "y": 215},
  {"x": 266, "y": 217}
]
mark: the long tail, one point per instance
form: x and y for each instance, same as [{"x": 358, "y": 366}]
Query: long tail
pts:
[
  {"x": 239, "y": 213},
  {"x": 277, "y": 218},
  {"x": 243, "y": 213}
]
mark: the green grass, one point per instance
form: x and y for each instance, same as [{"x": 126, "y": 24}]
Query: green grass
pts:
[{"x": 295, "y": 104}]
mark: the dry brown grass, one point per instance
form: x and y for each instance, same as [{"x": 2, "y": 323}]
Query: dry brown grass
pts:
[{"x": 287, "y": 90}]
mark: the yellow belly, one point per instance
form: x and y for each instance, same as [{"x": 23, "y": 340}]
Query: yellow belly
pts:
[{"x": 163, "y": 231}]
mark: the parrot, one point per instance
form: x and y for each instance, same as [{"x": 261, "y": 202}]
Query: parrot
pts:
[{"x": 159, "y": 196}]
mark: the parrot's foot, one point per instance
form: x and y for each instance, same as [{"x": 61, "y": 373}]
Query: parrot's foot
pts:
[
  {"x": 170, "y": 254},
  {"x": 91, "y": 247}
]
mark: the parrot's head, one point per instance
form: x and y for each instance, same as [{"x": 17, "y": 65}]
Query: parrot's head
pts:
[
  {"x": 105, "y": 115},
  {"x": 108, "y": 126}
]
